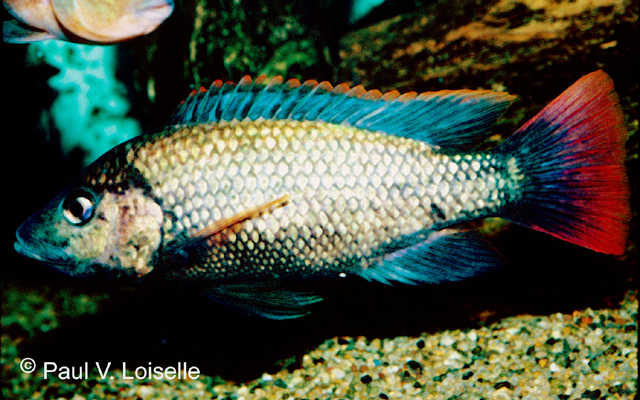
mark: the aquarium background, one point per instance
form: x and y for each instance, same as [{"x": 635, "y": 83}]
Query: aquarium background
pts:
[{"x": 533, "y": 49}]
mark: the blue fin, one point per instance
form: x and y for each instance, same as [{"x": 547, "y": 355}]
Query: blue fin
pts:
[
  {"x": 265, "y": 298},
  {"x": 446, "y": 255},
  {"x": 451, "y": 118}
]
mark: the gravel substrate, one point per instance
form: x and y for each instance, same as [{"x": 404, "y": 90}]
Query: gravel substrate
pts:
[{"x": 588, "y": 354}]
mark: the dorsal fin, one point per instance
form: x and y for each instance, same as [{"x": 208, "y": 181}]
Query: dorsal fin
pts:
[{"x": 452, "y": 118}]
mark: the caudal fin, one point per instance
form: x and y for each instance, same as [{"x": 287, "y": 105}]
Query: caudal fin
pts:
[{"x": 570, "y": 165}]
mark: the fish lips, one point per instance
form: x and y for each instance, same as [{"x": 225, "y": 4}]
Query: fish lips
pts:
[
  {"x": 155, "y": 10},
  {"x": 29, "y": 244}
]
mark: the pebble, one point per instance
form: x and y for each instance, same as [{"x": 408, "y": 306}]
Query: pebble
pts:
[{"x": 586, "y": 354}]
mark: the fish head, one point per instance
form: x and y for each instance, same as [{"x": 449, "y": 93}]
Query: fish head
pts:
[
  {"x": 95, "y": 233},
  {"x": 111, "y": 21}
]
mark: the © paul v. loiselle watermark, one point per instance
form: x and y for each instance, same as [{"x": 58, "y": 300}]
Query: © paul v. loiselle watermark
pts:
[{"x": 104, "y": 371}]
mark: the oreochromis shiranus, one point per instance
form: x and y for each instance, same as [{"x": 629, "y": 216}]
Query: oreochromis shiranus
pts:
[{"x": 253, "y": 185}]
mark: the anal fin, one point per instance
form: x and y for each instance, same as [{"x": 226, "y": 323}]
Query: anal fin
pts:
[{"x": 446, "y": 255}]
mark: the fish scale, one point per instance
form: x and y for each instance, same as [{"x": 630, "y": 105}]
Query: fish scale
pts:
[
  {"x": 369, "y": 189},
  {"x": 253, "y": 185}
]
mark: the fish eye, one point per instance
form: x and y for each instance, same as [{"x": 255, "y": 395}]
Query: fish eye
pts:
[{"x": 79, "y": 206}]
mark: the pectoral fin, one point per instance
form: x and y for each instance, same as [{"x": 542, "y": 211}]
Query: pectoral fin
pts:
[
  {"x": 186, "y": 252},
  {"x": 216, "y": 231}
]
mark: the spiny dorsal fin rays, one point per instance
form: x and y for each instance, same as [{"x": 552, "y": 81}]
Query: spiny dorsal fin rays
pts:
[
  {"x": 453, "y": 118},
  {"x": 316, "y": 101},
  {"x": 271, "y": 97},
  {"x": 304, "y": 106},
  {"x": 292, "y": 93},
  {"x": 205, "y": 107},
  {"x": 237, "y": 100},
  {"x": 262, "y": 102},
  {"x": 350, "y": 104}
]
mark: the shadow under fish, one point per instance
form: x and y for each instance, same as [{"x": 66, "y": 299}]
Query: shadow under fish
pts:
[
  {"x": 254, "y": 185},
  {"x": 83, "y": 21}
]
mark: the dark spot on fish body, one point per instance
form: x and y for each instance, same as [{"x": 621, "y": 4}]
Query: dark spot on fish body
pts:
[
  {"x": 136, "y": 179},
  {"x": 437, "y": 211}
]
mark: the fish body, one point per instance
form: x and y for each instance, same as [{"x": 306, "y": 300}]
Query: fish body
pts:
[
  {"x": 352, "y": 195},
  {"x": 254, "y": 185},
  {"x": 83, "y": 21}
]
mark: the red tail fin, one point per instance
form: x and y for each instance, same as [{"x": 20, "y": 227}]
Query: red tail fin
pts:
[{"x": 571, "y": 157}]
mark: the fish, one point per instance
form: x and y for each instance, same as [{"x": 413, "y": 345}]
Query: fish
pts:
[
  {"x": 253, "y": 186},
  {"x": 83, "y": 21}
]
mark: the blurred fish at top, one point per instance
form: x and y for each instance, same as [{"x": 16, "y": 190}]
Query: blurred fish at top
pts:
[{"x": 83, "y": 21}]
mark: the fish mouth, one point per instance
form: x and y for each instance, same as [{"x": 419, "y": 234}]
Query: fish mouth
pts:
[
  {"x": 157, "y": 10},
  {"x": 39, "y": 250}
]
